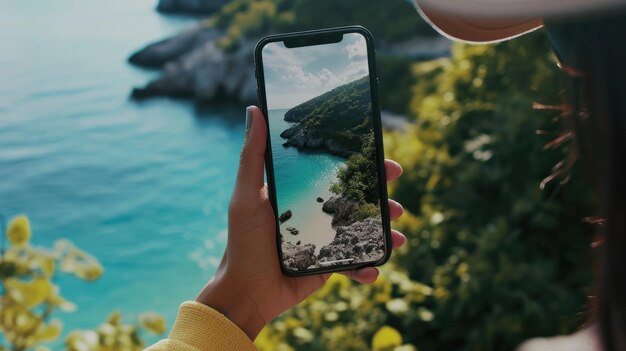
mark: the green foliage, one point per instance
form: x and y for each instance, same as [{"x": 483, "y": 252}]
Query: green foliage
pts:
[
  {"x": 30, "y": 298},
  {"x": 345, "y": 316},
  {"x": 491, "y": 258},
  {"x": 396, "y": 80},
  {"x": 342, "y": 115},
  {"x": 247, "y": 18},
  {"x": 365, "y": 211},
  {"x": 495, "y": 247},
  {"x": 251, "y": 18},
  {"x": 254, "y": 18},
  {"x": 357, "y": 179},
  {"x": 374, "y": 15}
]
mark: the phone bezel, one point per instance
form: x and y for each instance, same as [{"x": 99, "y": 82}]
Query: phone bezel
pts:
[{"x": 310, "y": 38}]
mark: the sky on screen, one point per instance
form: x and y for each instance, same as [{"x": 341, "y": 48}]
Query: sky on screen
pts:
[{"x": 295, "y": 75}]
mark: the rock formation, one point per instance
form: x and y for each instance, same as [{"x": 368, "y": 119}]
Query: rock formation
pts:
[
  {"x": 341, "y": 208},
  {"x": 298, "y": 257},
  {"x": 363, "y": 241},
  {"x": 194, "y": 66},
  {"x": 292, "y": 230},
  {"x": 333, "y": 121},
  {"x": 204, "y": 7},
  {"x": 158, "y": 54},
  {"x": 303, "y": 139},
  {"x": 285, "y": 216}
]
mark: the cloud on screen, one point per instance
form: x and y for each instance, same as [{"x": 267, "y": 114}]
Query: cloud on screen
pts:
[{"x": 295, "y": 75}]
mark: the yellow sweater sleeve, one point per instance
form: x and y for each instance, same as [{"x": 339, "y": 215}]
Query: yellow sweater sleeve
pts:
[{"x": 201, "y": 328}]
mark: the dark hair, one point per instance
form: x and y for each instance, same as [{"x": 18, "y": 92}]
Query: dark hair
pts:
[{"x": 593, "y": 51}]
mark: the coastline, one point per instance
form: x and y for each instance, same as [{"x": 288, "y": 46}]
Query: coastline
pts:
[
  {"x": 313, "y": 224},
  {"x": 301, "y": 177}
]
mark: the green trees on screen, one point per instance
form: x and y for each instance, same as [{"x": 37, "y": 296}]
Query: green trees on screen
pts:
[{"x": 356, "y": 180}]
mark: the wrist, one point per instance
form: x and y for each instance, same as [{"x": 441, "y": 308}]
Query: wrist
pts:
[{"x": 232, "y": 302}]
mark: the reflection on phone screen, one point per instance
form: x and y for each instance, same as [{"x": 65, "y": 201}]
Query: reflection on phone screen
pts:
[{"x": 324, "y": 153}]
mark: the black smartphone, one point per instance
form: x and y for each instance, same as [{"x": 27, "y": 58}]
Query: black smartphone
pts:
[{"x": 324, "y": 161}]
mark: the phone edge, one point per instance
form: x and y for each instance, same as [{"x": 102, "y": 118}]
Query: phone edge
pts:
[{"x": 376, "y": 119}]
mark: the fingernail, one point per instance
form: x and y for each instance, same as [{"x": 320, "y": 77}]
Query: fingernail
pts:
[
  {"x": 397, "y": 203},
  {"x": 248, "y": 117},
  {"x": 399, "y": 166}
]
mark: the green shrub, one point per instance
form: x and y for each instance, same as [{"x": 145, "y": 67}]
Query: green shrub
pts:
[
  {"x": 356, "y": 179},
  {"x": 504, "y": 257},
  {"x": 365, "y": 211},
  {"x": 491, "y": 259}
]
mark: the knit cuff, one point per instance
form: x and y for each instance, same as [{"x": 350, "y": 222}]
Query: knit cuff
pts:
[{"x": 205, "y": 329}]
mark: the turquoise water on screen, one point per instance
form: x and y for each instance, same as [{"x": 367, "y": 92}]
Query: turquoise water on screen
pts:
[{"x": 302, "y": 177}]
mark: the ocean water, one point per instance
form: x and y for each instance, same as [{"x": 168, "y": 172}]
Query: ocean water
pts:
[
  {"x": 302, "y": 177},
  {"x": 144, "y": 187}
]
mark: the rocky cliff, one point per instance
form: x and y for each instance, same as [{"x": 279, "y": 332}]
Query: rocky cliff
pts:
[
  {"x": 334, "y": 121},
  {"x": 298, "y": 257},
  {"x": 363, "y": 241},
  {"x": 342, "y": 210},
  {"x": 158, "y": 54},
  {"x": 195, "y": 66},
  {"x": 309, "y": 139},
  {"x": 203, "y": 7}
]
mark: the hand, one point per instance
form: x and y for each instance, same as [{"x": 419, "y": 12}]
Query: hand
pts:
[{"x": 249, "y": 287}]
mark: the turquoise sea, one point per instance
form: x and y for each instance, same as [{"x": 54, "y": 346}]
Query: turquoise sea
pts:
[
  {"x": 302, "y": 177},
  {"x": 144, "y": 187},
  {"x": 139, "y": 186}
]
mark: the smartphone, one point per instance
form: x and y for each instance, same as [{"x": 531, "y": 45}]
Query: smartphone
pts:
[{"x": 324, "y": 161}]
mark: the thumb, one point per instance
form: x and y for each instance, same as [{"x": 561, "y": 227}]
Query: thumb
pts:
[{"x": 250, "y": 173}]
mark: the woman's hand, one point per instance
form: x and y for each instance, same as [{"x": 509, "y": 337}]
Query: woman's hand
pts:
[{"x": 249, "y": 287}]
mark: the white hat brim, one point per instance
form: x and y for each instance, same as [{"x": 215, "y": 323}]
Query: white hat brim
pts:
[
  {"x": 522, "y": 8},
  {"x": 477, "y": 30},
  {"x": 488, "y": 21}
]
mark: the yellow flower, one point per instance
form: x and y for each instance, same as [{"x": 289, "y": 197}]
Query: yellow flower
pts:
[
  {"x": 82, "y": 340},
  {"x": 49, "y": 332},
  {"x": 57, "y": 300},
  {"x": 386, "y": 338},
  {"x": 29, "y": 294},
  {"x": 152, "y": 322},
  {"x": 45, "y": 262},
  {"x": 18, "y": 231},
  {"x": 441, "y": 293},
  {"x": 397, "y": 306},
  {"x": 303, "y": 334},
  {"x": 80, "y": 263},
  {"x": 115, "y": 318},
  {"x": 91, "y": 271},
  {"x": 425, "y": 314}
]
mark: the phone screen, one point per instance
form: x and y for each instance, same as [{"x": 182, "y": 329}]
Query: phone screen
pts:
[{"x": 324, "y": 153}]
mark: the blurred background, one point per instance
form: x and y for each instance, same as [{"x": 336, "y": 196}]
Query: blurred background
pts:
[{"x": 121, "y": 124}]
